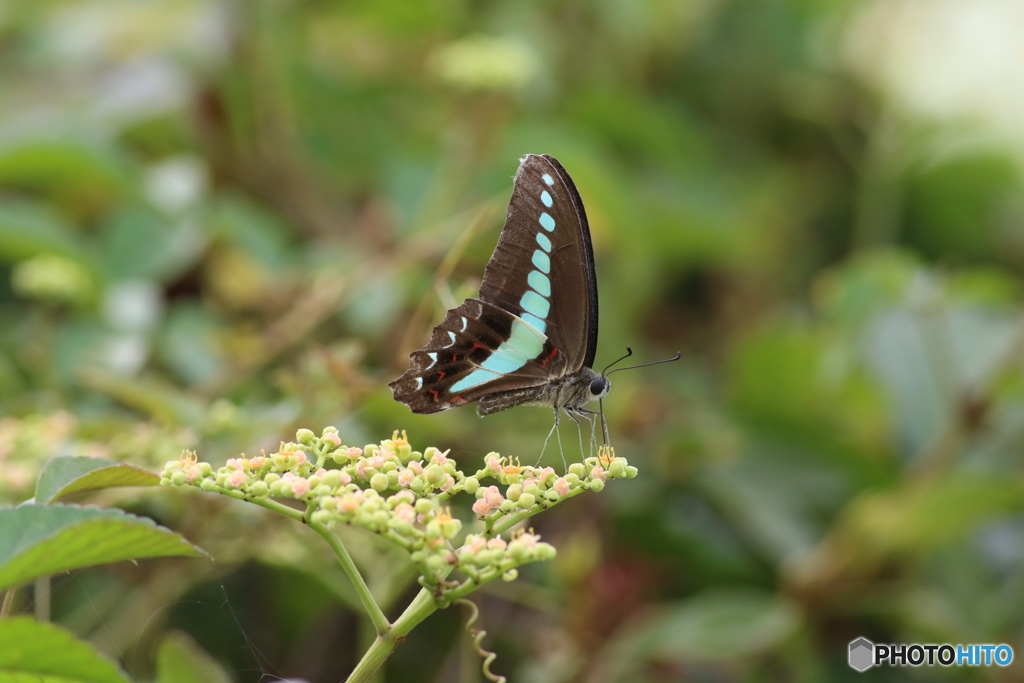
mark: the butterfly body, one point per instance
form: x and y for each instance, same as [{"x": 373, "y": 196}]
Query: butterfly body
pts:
[{"x": 531, "y": 336}]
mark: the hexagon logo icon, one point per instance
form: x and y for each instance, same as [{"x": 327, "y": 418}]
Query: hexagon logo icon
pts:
[{"x": 862, "y": 654}]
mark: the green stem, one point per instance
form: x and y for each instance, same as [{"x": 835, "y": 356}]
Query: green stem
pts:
[
  {"x": 5, "y": 610},
  {"x": 380, "y": 622}
]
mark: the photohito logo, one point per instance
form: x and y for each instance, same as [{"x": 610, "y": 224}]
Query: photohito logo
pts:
[{"x": 864, "y": 654}]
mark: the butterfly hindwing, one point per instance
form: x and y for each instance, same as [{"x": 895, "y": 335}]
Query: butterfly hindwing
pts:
[{"x": 477, "y": 349}]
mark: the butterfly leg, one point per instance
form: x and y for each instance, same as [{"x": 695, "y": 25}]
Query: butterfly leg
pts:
[
  {"x": 554, "y": 427},
  {"x": 579, "y": 427}
]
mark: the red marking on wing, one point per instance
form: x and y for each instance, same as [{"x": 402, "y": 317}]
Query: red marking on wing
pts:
[
  {"x": 440, "y": 375},
  {"x": 547, "y": 358},
  {"x": 434, "y": 392},
  {"x": 478, "y": 345},
  {"x": 458, "y": 400}
]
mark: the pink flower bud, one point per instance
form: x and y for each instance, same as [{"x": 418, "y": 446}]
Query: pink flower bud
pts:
[
  {"x": 192, "y": 473},
  {"x": 440, "y": 458},
  {"x": 236, "y": 478},
  {"x": 561, "y": 486},
  {"x": 416, "y": 467},
  {"x": 237, "y": 463},
  {"x": 320, "y": 472},
  {"x": 257, "y": 462},
  {"x": 350, "y": 501},
  {"x": 332, "y": 438},
  {"x": 405, "y": 477},
  {"x": 475, "y": 543},
  {"x": 405, "y": 512},
  {"x": 300, "y": 486},
  {"x": 346, "y": 478},
  {"x": 361, "y": 469},
  {"x": 300, "y": 457},
  {"x": 598, "y": 473},
  {"x": 493, "y": 497},
  {"x": 493, "y": 464},
  {"x": 354, "y": 452},
  {"x": 449, "y": 482},
  {"x": 497, "y": 544},
  {"x": 481, "y": 507}
]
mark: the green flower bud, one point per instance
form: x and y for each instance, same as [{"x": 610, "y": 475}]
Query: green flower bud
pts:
[
  {"x": 417, "y": 485},
  {"x": 403, "y": 451},
  {"x": 379, "y": 482},
  {"x": 526, "y": 501},
  {"x": 380, "y": 520},
  {"x": 320, "y": 516},
  {"x": 617, "y": 468},
  {"x": 259, "y": 488},
  {"x": 578, "y": 469},
  {"x": 423, "y": 506},
  {"x": 572, "y": 479},
  {"x": 484, "y": 557},
  {"x": 305, "y": 436},
  {"x": 332, "y": 478},
  {"x": 532, "y": 489},
  {"x": 514, "y": 491},
  {"x": 401, "y": 526},
  {"x": 437, "y": 563},
  {"x": 596, "y": 485},
  {"x": 430, "y": 452},
  {"x": 507, "y": 506},
  {"x": 205, "y": 469},
  {"x": 314, "y": 481},
  {"x": 392, "y": 479},
  {"x": 513, "y": 478},
  {"x": 415, "y": 455},
  {"x": 272, "y": 478},
  {"x": 471, "y": 485},
  {"x": 631, "y": 471},
  {"x": 323, "y": 490},
  {"x": 510, "y": 575},
  {"x": 434, "y": 529},
  {"x": 370, "y": 450},
  {"x": 451, "y": 527},
  {"x": 178, "y": 479},
  {"x": 208, "y": 485},
  {"x": 551, "y": 495},
  {"x": 546, "y": 551},
  {"x": 435, "y": 474}
]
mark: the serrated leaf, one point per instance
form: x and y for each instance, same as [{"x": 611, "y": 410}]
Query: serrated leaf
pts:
[
  {"x": 38, "y": 541},
  {"x": 65, "y": 475},
  {"x": 44, "y": 653},
  {"x": 181, "y": 660}
]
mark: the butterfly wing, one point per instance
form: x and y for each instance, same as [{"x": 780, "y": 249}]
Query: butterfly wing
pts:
[
  {"x": 477, "y": 349},
  {"x": 542, "y": 269},
  {"x": 536, "y": 318}
]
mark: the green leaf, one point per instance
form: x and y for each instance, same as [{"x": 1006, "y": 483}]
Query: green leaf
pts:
[
  {"x": 722, "y": 626},
  {"x": 38, "y": 541},
  {"x": 44, "y": 653},
  {"x": 28, "y": 229},
  {"x": 181, "y": 660},
  {"x": 920, "y": 515},
  {"x": 65, "y": 475}
]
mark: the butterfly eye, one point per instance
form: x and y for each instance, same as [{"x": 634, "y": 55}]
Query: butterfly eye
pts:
[{"x": 598, "y": 386}]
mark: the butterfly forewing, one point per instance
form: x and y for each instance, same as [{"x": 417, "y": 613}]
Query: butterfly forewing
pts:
[
  {"x": 535, "y": 322},
  {"x": 542, "y": 268}
]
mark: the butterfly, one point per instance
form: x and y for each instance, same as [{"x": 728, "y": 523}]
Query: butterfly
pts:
[{"x": 530, "y": 337}]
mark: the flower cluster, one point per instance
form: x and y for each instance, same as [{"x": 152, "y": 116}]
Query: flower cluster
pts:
[{"x": 400, "y": 494}]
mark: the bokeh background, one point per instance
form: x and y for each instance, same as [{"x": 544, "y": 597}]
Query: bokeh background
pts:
[{"x": 222, "y": 221}]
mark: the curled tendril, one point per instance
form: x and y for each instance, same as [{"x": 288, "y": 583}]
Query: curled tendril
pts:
[{"x": 478, "y": 635}]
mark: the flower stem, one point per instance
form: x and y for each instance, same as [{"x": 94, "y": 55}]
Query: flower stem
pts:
[{"x": 380, "y": 622}]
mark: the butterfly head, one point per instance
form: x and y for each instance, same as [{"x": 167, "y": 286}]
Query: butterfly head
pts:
[{"x": 599, "y": 387}]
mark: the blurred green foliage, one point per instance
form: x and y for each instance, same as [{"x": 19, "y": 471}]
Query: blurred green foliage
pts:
[{"x": 221, "y": 221}]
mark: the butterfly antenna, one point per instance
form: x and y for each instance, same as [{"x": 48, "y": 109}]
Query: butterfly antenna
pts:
[
  {"x": 643, "y": 365},
  {"x": 629, "y": 352}
]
